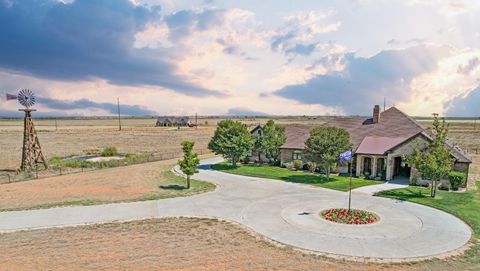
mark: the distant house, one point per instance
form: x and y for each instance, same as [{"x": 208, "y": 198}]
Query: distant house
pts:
[
  {"x": 380, "y": 144},
  {"x": 173, "y": 121},
  {"x": 255, "y": 156}
]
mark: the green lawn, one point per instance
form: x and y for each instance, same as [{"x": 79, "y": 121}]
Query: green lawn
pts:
[
  {"x": 336, "y": 182},
  {"x": 466, "y": 206}
]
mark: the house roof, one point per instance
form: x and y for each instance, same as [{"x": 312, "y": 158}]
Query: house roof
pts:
[
  {"x": 173, "y": 119},
  {"x": 393, "y": 123},
  {"x": 296, "y": 136},
  {"x": 379, "y": 144},
  {"x": 394, "y": 127}
]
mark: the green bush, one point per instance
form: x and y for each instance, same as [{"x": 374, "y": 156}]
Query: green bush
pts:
[
  {"x": 55, "y": 160},
  {"x": 413, "y": 181},
  {"x": 312, "y": 166},
  {"x": 456, "y": 179},
  {"x": 443, "y": 187},
  {"x": 297, "y": 164},
  {"x": 109, "y": 151}
]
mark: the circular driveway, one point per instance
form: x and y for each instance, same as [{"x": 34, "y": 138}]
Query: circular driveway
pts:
[{"x": 284, "y": 212}]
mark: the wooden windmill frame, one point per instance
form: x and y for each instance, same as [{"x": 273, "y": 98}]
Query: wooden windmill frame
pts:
[{"x": 32, "y": 151}]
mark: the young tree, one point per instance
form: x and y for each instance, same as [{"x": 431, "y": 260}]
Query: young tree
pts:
[
  {"x": 324, "y": 146},
  {"x": 190, "y": 161},
  {"x": 433, "y": 162},
  {"x": 231, "y": 139},
  {"x": 273, "y": 138}
]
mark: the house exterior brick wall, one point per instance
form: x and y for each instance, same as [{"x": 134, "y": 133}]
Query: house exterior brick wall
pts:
[{"x": 286, "y": 155}]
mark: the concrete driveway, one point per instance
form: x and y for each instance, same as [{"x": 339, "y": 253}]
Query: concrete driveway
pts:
[
  {"x": 399, "y": 182},
  {"x": 285, "y": 212}
]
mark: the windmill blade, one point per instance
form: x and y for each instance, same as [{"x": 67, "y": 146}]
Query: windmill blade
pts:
[{"x": 26, "y": 97}]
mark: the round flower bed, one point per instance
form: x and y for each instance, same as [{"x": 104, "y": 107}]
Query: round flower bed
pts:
[{"x": 344, "y": 216}]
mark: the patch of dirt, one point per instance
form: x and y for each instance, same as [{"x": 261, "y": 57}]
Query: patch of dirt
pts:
[
  {"x": 170, "y": 244},
  {"x": 112, "y": 184}
]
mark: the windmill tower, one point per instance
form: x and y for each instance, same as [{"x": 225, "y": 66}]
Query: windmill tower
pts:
[{"x": 31, "y": 152}]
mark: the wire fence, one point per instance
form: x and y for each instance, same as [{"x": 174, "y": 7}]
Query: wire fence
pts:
[{"x": 39, "y": 172}]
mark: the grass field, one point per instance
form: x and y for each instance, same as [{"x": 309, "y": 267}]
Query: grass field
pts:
[
  {"x": 75, "y": 136},
  {"x": 175, "y": 244},
  {"x": 336, "y": 182},
  {"x": 463, "y": 205},
  {"x": 138, "y": 182}
]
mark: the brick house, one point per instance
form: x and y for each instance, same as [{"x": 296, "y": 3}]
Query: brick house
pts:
[{"x": 379, "y": 144}]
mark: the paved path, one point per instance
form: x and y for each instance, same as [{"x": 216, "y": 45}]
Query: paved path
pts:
[
  {"x": 274, "y": 209},
  {"x": 372, "y": 189}
]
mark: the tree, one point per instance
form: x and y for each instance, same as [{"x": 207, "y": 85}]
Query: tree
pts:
[
  {"x": 232, "y": 140},
  {"x": 190, "y": 160},
  {"x": 273, "y": 138},
  {"x": 324, "y": 146},
  {"x": 433, "y": 162}
]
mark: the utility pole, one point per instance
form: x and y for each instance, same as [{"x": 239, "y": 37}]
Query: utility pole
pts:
[
  {"x": 196, "y": 121},
  {"x": 384, "y": 103},
  {"x": 119, "y": 122},
  {"x": 56, "y": 126}
]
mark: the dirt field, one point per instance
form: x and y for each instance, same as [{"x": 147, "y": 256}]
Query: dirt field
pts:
[
  {"x": 172, "y": 244},
  {"x": 143, "y": 181},
  {"x": 75, "y": 136}
]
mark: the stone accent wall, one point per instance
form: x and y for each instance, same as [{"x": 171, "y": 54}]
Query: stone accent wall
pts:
[{"x": 286, "y": 155}]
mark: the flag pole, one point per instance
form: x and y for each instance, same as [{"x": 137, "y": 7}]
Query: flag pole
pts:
[{"x": 350, "y": 190}]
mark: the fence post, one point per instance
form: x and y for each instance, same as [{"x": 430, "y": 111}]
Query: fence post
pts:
[
  {"x": 8, "y": 178},
  {"x": 36, "y": 171}
]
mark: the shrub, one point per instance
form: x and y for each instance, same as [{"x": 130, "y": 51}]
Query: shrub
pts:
[
  {"x": 425, "y": 184},
  {"x": 456, "y": 179},
  {"x": 284, "y": 165},
  {"x": 276, "y": 163},
  {"x": 305, "y": 166},
  {"x": 55, "y": 160},
  {"x": 109, "y": 151},
  {"x": 297, "y": 164},
  {"x": 443, "y": 187},
  {"x": 312, "y": 167},
  {"x": 290, "y": 166},
  {"x": 413, "y": 181}
]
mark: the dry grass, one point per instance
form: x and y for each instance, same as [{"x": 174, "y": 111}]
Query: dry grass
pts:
[
  {"x": 137, "y": 182},
  {"x": 75, "y": 136},
  {"x": 170, "y": 244}
]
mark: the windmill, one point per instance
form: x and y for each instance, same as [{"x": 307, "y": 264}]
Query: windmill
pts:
[{"x": 32, "y": 152}]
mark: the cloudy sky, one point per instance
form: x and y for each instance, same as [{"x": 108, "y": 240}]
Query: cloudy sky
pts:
[{"x": 217, "y": 57}]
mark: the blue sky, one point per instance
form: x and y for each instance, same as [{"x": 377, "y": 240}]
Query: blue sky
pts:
[{"x": 233, "y": 57}]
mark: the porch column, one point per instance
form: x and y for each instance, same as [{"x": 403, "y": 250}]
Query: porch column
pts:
[
  {"x": 359, "y": 165},
  {"x": 374, "y": 167},
  {"x": 388, "y": 160}
]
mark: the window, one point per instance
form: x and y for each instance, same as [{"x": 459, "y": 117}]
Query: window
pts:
[{"x": 297, "y": 155}]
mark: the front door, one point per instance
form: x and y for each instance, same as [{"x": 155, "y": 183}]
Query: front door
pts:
[{"x": 400, "y": 168}]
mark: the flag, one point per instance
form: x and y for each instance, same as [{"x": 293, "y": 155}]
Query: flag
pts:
[
  {"x": 346, "y": 156},
  {"x": 11, "y": 97}
]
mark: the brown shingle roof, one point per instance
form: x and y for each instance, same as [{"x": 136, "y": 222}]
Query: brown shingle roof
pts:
[
  {"x": 378, "y": 144},
  {"x": 393, "y": 124},
  {"x": 296, "y": 136}
]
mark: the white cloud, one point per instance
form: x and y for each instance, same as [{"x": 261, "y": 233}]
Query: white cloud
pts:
[{"x": 431, "y": 92}]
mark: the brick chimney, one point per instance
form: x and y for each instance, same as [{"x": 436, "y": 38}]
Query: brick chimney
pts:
[{"x": 376, "y": 114}]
